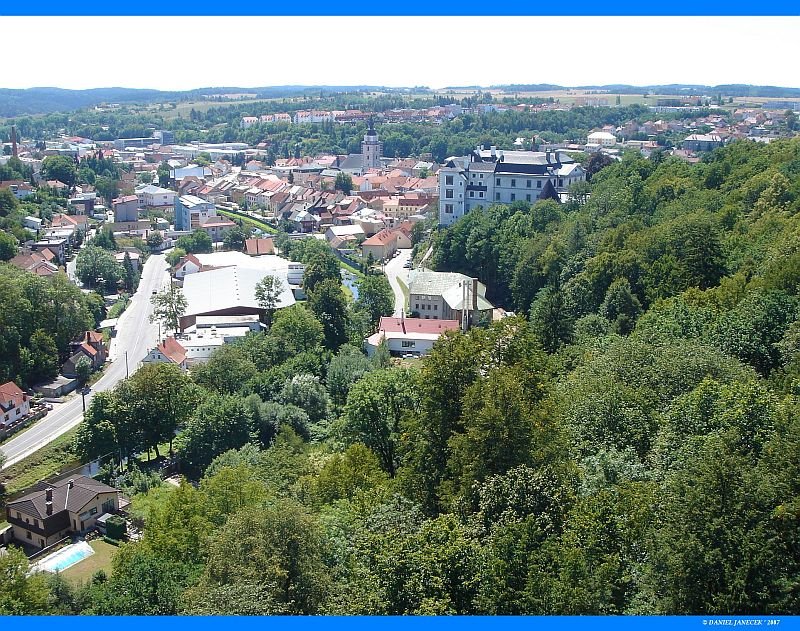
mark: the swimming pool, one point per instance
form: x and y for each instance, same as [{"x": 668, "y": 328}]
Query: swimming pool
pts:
[{"x": 64, "y": 558}]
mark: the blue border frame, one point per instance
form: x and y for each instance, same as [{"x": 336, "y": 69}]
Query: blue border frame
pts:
[{"x": 384, "y": 8}]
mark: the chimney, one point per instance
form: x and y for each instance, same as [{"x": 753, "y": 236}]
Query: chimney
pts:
[
  {"x": 48, "y": 494},
  {"x": 14, "y": 141},
  {"x": 49, "y": 507},
  {"x": 493, "y": 150},
  {"x": 71, "y": 484}
]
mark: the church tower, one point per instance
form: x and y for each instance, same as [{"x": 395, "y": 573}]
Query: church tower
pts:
[{"x": 371, "y": 148}]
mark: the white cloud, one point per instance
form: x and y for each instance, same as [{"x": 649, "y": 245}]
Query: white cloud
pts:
[{"x": 179, "y": 53}]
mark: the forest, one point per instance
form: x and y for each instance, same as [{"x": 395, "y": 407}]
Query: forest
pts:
[{"x": 627, "y": 443}]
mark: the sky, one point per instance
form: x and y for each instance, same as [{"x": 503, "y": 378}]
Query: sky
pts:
[{"x": 182, "y": 53}]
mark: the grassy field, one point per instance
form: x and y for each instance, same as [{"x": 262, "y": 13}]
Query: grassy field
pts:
[
  {"x": 254, "y": 222},
  {"x": 100, "y": 560},
  {"x": 50, "y": 460},
  {"x": 404, "y": 289}
]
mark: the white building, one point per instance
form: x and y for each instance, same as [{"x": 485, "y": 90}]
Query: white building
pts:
[
  {"x": 408, "y": 336},
  {"x": 601, "y": 138},
  {"x": 155, "y": 196},
  {"x": 371, "y": 149},
  {"x": 492, "y": 176},
  {"x": 14, "y": 404}
]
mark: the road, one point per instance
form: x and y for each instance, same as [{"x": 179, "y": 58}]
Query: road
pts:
[
  {"x": 135, "y": 337},
  {"x": 394, "y": 269}
]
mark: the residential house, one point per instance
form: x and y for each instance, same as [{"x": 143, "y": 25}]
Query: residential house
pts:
[
  {"x": 385, "y": 243},
  {"x": 38, "y": 263},
  {"x": 702, "y": 142},
  {"x": 45, "y": 516},
  {"x": 92, "y": 347},
  {"x": 134, "y": 256},
  {"x": 126, "y": 208},
  {"x": 192, "y": 211},
  {"x": 70, "y": 222},
  {"x": 188, "y": 264},
  {"x": 169, "y": 351},
  {"x": 58, "y": 247},
  {"x": 602, "y": 139},
  {"x": 152, "y": 196},
  {"x": 216, "y": 227},
  {"x": 408, "y": 336},
  {"x": 14, "y": 404}
]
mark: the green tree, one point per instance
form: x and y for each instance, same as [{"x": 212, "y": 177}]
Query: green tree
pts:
[
  {"x": 21, "y": 594},
  {"x": 8, "y": 246},
  {"x": 321, "y": 266},
  {"x": 327, "y": 303},
  {"x": 168, "y": 307},
  {"x": 96, "y": 267},
  {"x": 61, "y": 168},
  {"x": 268, "y": 293},
  {"x": 375, "y": 296},
  {"x": 234, "y": 239},
  {"x": 343, "y": 182},
  {"x": 375, "y": 408},
  {"x": 8, "y": 203},
  {"x": 154, "y": 240}
]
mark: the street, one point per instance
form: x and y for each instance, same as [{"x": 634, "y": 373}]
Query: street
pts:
[
  {"x": 135, "y": 336},
  {"x": 394, "y": 269}
]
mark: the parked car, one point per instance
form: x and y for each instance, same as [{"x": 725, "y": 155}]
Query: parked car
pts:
[{"x": 407, "y": 264}]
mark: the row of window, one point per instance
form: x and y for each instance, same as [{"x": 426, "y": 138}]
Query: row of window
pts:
[{"x": 426, "y": 307}]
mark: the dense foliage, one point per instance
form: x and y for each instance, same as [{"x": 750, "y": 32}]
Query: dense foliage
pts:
[{"x": 628, "y": 444}]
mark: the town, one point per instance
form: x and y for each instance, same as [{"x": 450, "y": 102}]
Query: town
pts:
[{"x": 379, "y": 321}]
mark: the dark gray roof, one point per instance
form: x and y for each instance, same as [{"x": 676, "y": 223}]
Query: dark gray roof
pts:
[
  {"x": 64, "y": 498},
  {"x": 353, "y": 161}
]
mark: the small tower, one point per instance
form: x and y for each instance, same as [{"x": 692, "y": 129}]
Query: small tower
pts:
[
  {"x": 14, "y": 141},
  {"x": 371, "y": 148}
]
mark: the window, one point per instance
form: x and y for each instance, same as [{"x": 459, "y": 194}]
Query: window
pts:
[
  {"x": 93, "y": 511},
  {"x": 513, "y": 183},
  {"x": 416, "y": 306},
  {"x": 528, "y": 197},
  {"x": 528, "y": 183},
  {"x": 28, "y": 534},
  {"x": 448, "y": 208},
  {"x": 448, "y": 179},
  {"x": 408, "y": 344},
  {"x": 538, "y": 184},
  {"x": 472, "y": 193},
  {"x": 480, "y": 194},
  {"x": 560, "y": 181},
  {"x": 497, "y": 182},
  {"x": 36, "y": 522},
  {"x": 497, "y": 197},
  {"x": 480, "y": 177},
  {"x": 19, "y": 516},
  {"x": 448, "y": 193},
  {"x": 436, "y": 307},
  {"x": 513, "y": 197}
]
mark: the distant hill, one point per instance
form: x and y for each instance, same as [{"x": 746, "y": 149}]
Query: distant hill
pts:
[
  {"x": 49, "y": 100},
  {"x": 762, "y": 91}
]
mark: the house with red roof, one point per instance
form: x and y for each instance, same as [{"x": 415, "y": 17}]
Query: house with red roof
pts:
[
  {"x": 188, "y": 264},
  {"x": 170, "y": 351},
  {"x": 385, "y": 243},
  {"x": 90, "y": 346},
  {"x": 14, "y": 404},
  {"x": 408, "y": 336}
]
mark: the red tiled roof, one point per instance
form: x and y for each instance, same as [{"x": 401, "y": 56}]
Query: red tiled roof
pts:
[
  {"x": 172, "y": 350},
  {"x": 10, "y": 392},
  {"x": 416, "y": 325},
  {"x": 87, "y": 349},
  {"x": 387, "y": 235},
  {"x": 259, "y": 246}
]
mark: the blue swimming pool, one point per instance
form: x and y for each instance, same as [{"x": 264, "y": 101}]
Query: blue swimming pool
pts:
[{"x": 64, "y": 558}]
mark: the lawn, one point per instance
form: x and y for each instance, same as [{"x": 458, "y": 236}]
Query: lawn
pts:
[
  {"x": 247, "y": 219},
  {"x": 100, "y": 560},
  {"x": 50, "y": 460}
]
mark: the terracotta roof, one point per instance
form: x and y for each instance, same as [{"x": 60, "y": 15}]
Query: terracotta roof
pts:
[
  {"x": 87, "y": 349},
  {"x": 172, "y": 350},
  {"x": 11, "y": 395},
  {"x": 416, "y": 325},
  {"x": 259, "y": 246},
  {"x": 94, "y": 336},
  {"x": 385, "y": 236}
]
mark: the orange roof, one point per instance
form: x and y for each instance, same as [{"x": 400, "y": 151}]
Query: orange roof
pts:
[
  {"x": 172, "y": 350},
  {"x": 88, "y": 349},
  {"x": 259, "y": 246},
  {"x": 416, "y": 325},
  {"x": 11, "y": 393},
  {"x": 387, "y": 235}
]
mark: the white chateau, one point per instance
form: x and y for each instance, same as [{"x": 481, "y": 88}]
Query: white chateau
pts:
[{"x": 492, "y": 176}]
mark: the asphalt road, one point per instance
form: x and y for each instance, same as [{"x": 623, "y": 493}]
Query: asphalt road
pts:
[
  {"x": 394, "y": 269},
  {"x": 135, "y": 337}
]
